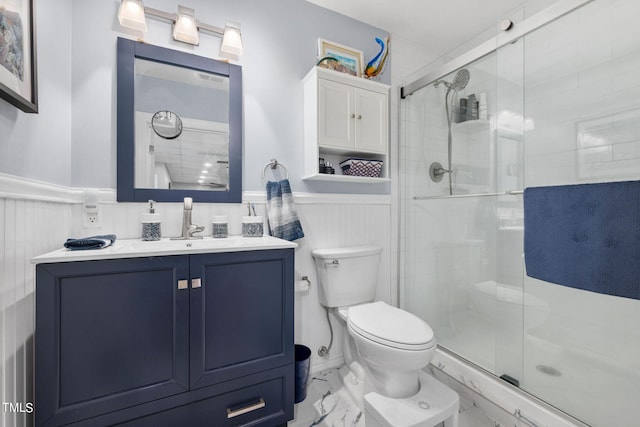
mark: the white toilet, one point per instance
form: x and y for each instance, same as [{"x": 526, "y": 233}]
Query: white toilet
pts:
[{"x": 386, "y": 347}]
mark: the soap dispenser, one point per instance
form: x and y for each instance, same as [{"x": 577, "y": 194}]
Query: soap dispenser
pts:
[{"x": 151, "y": 224}]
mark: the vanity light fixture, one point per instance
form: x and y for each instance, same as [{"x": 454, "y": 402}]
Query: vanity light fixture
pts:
[
  {"x": 232, "y": 40},
  {"x": 186, "y": 27},
  {"x": 131, "y": 15}
]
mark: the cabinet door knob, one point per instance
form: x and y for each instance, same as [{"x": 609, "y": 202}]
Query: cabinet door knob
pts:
[
  {"x": 183, "y": 284},
  {"x": 196, "y": 283},
  {"x": 359, "y": 116},
  {"x": 353, "y": 115},
  {"x": 234, "y": 413}
]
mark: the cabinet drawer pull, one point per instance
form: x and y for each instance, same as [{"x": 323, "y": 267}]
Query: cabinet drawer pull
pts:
[
  {"x": 183, "y": 284},
  {"x": 246, "y": 409},
  {"x": 196, "y": 283}
]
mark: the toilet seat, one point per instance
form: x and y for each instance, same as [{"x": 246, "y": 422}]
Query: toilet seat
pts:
[{"x": 390, "y": 326}]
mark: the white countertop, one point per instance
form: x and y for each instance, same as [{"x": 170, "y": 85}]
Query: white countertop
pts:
[{"x": 136, "y": 248}]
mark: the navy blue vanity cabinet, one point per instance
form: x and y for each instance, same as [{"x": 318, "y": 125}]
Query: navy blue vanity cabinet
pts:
[
  {"x": 109, "y": 334},
  {"x": 153, "y": 340},
  {"x": 239, "y": 314}
]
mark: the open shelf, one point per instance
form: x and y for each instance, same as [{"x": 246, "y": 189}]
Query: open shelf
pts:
[
  {"x": 344, "y": 178},
  {"x": 471, "y": 126}
]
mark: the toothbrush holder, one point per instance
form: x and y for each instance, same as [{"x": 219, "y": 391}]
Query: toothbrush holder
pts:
[
  {"x": 252, "y": 226},
  {"x": 220, "y": 226}
]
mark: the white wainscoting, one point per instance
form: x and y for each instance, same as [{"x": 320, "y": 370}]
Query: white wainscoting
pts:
[{"x": 27, "y": 228}]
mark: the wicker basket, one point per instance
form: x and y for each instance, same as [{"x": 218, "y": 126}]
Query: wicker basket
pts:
[{"x": 362, "y": 167}]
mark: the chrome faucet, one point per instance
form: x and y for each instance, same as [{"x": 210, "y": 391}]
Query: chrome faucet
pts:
[{"x": 188, "y": 229}]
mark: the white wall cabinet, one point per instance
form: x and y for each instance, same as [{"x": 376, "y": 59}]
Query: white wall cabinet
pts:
[{"x": 344, "y": 116}]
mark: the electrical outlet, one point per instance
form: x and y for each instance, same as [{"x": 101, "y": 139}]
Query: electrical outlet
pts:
[{"x": 91, "y": 216}]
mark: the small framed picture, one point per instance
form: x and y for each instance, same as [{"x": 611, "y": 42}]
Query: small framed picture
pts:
[
  {"x": 347, "y": 60},
  {"x": 18, "y": 82}
]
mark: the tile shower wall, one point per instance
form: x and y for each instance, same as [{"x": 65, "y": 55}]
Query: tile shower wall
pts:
[
  {"x": 449, "y": 245},
  {"x": 582, "y": 92},
  {"x": 582, "y": 95}
]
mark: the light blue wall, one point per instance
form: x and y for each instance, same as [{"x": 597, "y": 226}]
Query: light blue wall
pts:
[
  {"x": 72, "y": 141},
  {"x": 38, "y": 146},
  {"x": 280, "y": 47}
]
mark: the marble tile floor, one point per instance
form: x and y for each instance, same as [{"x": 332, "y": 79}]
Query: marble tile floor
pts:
[{"x": 328, "y": 404}]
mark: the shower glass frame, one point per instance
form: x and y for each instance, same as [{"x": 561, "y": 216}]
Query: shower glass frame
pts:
[{"x": 461, "y": 255}]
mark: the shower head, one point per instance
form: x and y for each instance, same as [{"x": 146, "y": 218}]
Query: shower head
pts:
[{"x": 460, "y": 81}]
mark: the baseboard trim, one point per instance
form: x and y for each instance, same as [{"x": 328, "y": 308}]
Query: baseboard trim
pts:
[{"x": 325, "y": 364}]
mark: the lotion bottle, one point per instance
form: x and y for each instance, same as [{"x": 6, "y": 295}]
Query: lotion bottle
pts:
[{"x": 151, "y": 224}]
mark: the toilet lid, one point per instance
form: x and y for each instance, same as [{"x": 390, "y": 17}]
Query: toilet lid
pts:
[{"x": 390, "y": 326}]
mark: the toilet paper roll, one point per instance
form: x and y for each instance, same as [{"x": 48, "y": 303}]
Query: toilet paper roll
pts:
[{"x": 302, "y": 286}]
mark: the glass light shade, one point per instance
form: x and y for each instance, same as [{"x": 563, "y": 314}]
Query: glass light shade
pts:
[
  {"x": 232, "y": 40},
  {"x": 185, "y": 28},
  {"x": 131, "y": 15}
]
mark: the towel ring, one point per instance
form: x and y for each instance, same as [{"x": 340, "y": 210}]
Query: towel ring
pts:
[{"x": 273, "y": 164}]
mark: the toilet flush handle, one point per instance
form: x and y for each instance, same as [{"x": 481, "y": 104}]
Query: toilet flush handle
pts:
[{"x": 332, "y": 263}]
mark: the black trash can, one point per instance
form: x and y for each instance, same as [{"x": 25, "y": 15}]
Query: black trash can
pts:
[{"x": 303, "y": 359}]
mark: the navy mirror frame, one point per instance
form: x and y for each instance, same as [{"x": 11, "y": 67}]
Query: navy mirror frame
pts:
[{"x": 128, "y": 51}]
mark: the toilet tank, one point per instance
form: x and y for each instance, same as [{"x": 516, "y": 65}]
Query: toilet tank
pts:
[{"x": 347, "y": 276}]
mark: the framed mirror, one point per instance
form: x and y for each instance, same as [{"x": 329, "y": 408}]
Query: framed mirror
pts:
[{"x": 179, "y": 126}]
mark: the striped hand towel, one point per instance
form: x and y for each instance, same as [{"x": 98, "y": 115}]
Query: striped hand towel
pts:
[{"x": 281, "y": 212}]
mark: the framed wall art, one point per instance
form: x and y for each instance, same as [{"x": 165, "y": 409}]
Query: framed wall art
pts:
[
  {"x": 347, "y": 60},
  {"x": 18, "y": 75}
]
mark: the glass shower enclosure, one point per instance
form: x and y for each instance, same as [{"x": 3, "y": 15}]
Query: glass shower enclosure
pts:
[{"x": 556, "y": 104}]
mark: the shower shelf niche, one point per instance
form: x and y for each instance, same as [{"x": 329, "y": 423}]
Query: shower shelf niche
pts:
[
  {"x": 470, "y": 127},
  {"x": 473, "y": 126}
]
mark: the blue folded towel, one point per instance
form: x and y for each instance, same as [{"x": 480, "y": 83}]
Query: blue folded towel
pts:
[
  {"x": 93, "y": 242},
  {"x": 283, "y": 219},
  {"x": 585, "y": 236}
]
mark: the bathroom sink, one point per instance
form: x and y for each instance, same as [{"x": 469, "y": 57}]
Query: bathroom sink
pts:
[
  {"x": 207, "y": 244},
  {"x": 135, "y": 248}
]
